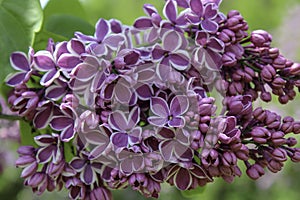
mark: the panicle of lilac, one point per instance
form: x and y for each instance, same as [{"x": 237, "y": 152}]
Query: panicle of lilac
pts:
[{"x": 133, "y": 104}]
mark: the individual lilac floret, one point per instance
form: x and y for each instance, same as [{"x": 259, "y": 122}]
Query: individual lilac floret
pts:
[
  {"x": 23, "y": 63},
  {"x": 204, "y": 15},
  {"x": 127, "y": 131},
  {"x": 103, "y": 40},
  {"x": 171, "y": 52},
  {"x": 208, "y": 52},
  {"x": 168, "y": 115}
]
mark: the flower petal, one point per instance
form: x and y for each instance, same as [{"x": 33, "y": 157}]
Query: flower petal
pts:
[
  {"x": 170, "y": 10},
  {"x": 120, "y": 140},
  {"x": 19, "y": 61},
  {"x": 179, "y": 105},
  {"x": 178, "y": 121},
  {"x": 68, "y": 61},
  {"x": 16, "y": 79},
  {"x": 172, "y": 41},
  {"x": 44, "y": 60},
  {"x": 49, "y": 77},
  {"x": 102, "y": 28},
  {"x": 197, "y": 7},
  {"x": 209, "y": 25},
  {"x": 183, "y": 179},
  {"x": 117, "y": 120},
  {"x": 143, "y": 23},
  {"x": 159, "y": 107}
]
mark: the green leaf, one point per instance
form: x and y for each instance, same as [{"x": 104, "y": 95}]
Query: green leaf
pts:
[
  {"x": 20, "y": 19},
  {"x": 27, "y": 134},
  {"x": 42, "y": 37},
  {"x": 193, "y": 193},
  {"x": 66, "y": 25},
  {"x": 68, "y": 7},
  {"x": 69, "y": 150}
]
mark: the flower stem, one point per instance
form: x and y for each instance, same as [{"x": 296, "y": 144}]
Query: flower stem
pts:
[{"x": 10, "y": 117}]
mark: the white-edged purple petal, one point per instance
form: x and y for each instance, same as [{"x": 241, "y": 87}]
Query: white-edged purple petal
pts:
[
  {"x": 45, "y": 154},
  {"x": 16, "y": 79},
  {"x": 180, "y": 60},
  {"x": 183, "y": 179},
  {"x": 133, "y": 118},
  {"x": 157, "y": 121},
  {"x": 170, "y": 10},
  {"x": 113, "y": 41},
  {"x": 177, "y": 121},
  {"x": 78, "y": 164},
  {"x": 61, "y": 122},
  {"x": 117, "y": 120},
  {"x": 158, "y": 53},
  {"x": 85, "y": 38},
  {"x": 179, "y": 105},
  {"x": 67, "y": 134},
  {"x": 143, "y": 23},
  {"x": 120, "y": 140},
  {"x": 19, "y": 61},
  {"x": 209, "y": 25},
  {"x": 49, "y": 77},
  {"x": 159, "y": 107},
  {"x": 74, "y": 46},
  {"x": 210, "y": 11},
  {"x": 102, "y": 29},
  {"x": 123, "y": 92},
  {"x": 68, "y": 61},
  {"x": 172, "y": 41},
  {"x": 84, "y": 71},
  {"x": 55, "y": 92},
  {"x": 44, "y": 60},
  {"x": 43, "y": 117},
  {"x": 88, "y": 176},
  {"x": 197, "y": 7}
]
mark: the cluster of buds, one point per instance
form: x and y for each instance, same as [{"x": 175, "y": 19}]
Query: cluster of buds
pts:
[{"x": 130, "y": 106}]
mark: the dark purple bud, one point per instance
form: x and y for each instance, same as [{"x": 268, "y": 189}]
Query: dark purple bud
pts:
[
  {"x": 296, "y": 127},
  {"x": 260, "y": 134},
  {"x": 291, "y": 141},
  {"x": 274, "y": 166},
  {"x": 266, "y": 96},
  {"x": 295, "y": 69},
  {"x": 279, "y": 154},
  {"x": 29, "y": 170},
  {"x": 229, "y": 59},
  {"x": 243, "y": 153},
  {"x": 274, "y": 53},
  {"x": 268, "y": 73},
  {"x": 279, "y": 62},
  {"x": 278, "y": 82},
  {"x": 296, "y": 155},
  {"x": 255, "y": 171},
  {"x": 24, "y": 160},
  {"x": 261, "y": 38},
  {"x": 259, "y": 114}
]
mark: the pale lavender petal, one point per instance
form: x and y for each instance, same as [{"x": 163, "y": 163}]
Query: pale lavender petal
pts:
[
  {"x": 102, "y": 28},
  {"x": 120, "y": 140},
  {"x": 135, "y": 136},
  {"x": 68, "y": 61},
  {"x": 84, "y": 71},
  {"x": 163, "y": 72},
  {"x": 117, "y": 120},
  {"x": 138, "y": 163},
  {"x": 99, "y": 49},
  {"x": 172, "y": 41},
  {"x": 126, "y": 166},
  {"x": 152, "y": 35},
  {"x": 197, "y": 7},
  {"x": 159, "y": 107},
  {"x": 97, "y": 151},
  {"x": 44, "y": 60},
  {"x": 85, "y": 38},
  {"x": 166, "y": 149},
  {"x": 113, "y": 41},
  {"x": 179, "y": 105},
  {"x": 123, "y": 93},
  {"x": 170, "y": 10},
  {"x": 157, "y": 121},
  {"x": 143, "y": 22},
  {"x": 19, "y": 61}
]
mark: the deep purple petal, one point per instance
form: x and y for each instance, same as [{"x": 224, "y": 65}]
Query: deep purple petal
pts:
[
  {"x": 144, "y": 91},
  {"x": 16, "y": 79},
  {"x": 85, "y": 38},
  {"x": 78, "y": 164},
  {"x": 102, "y": 29},
  {"x": 98, "y": 81},
  {"x": 45, "y": 154},
  {"x": 44, "y": 60},
  {"x": 76, "y": 47},
  {"x": 19, "y": 61},
  {"x": 170, "y": 10},
  {"x": 179, "y": 61},
  {"x": 133, "y": 118},
  {"x": 201, "y": 38},
  {"x": 55, "y": 92},
  {"x": 157, "y": 121},
  {"x": 67, "y": 134},
  {"x": 166, "y": 133},
  {"x": 43, "y": 117},
  {"x": 143, "y": 22},
  {"x": 177, "y": 122},
  {"x": 183, "y": 152},
  {"x": 159, "y": 107},
  {"x": 68, "y": 61},
  {"x": 183, "y": 179},
  {"x": 209, "y": 25},
  {"x": 197, "y": 7},
  {"x": 120, "y": 139},
  {"x": 61, "y": 122},
  {"x": 88, "y": 175},
  {"x": 29, "y": 170},
  {"x": 117, "y": 120},
  {"x": 45, "y": 140},
  {"x": 216, "y": 45},
  {"x": 49, "y": 77},
  {"x": 210, "y": 11},
  {"x": 158, "y": 53}
]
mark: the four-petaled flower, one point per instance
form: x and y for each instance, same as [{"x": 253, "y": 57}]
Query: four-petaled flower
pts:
[
  {"x": 168, "y": 115},
  {"x": 127, "y": 133}
]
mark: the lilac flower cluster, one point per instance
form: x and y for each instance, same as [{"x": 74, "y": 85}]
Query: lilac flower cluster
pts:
[{"x": 130, "y": 106}]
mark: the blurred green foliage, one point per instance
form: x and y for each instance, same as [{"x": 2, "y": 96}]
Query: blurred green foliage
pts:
[{"x": 23, "y": 23}]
